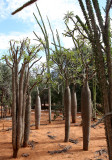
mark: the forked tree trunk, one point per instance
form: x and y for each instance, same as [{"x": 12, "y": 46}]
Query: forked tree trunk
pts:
[
  {"x": 86, "y": 114},
  {"x": 27, "y": 122},
  {"x": 67, "y": 106},
  {"x": 73, "y": 104},
  {"x": 37, "y": 111}
]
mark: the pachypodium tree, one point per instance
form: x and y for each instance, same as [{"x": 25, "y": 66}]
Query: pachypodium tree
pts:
[
  {"x": 83, "y": 48},
  {"x": 98, "y": 32},
  {"x": 67, "y": 62},
  {"x": 45, "y": 43},
  {"x": 20, "y": 53}
]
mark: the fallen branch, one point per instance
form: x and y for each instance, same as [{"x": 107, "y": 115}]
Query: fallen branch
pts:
[
  {"x": 73, "y": 141},
  {"x": 100, "y": 152},
  {"x": 60, "y": 151},
  {"x": 4, "y": 130},
  {"x": 100, "y": 120},
  {"x": 32, "y": 144},
  {"x": 25, "y": 155},
  {"x": 52, "y": 137}
]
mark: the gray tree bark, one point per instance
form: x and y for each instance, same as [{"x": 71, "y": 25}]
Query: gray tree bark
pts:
[
  {"x": 73, "y": 104},
  {"x": 86, "y": 114},
  {"x": 27, "y": 122},
  {"x": 67, "y": 106},
  {"x": 37, "y": 111}
]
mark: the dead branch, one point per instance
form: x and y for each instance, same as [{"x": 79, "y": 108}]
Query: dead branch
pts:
[
  {"x": 51, "y": 137},
  {"x": 73, "y": 141},
  {"x": 60, "y": 151},
  {"x": 100, "y": 152},
  {"x": 24, "y": 5},
  {"x": 100, "y": 120}
]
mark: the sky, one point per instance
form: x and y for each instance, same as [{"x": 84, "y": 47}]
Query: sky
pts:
[{"x": 23, "y": 24}]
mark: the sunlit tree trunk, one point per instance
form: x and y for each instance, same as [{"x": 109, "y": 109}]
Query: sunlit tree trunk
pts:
[
  {"x": 86, "y": 114},
  {"x": 37, "y": 111},
  {"x": 27, "y": 121},
  {"x": 67, "y": 106},
  {"x": 73, "y": 104}
]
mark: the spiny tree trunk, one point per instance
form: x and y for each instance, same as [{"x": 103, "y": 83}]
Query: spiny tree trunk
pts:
[
  {"x": 86, "y": 114},
  {"x": 37, "y": 111},
  {"x": 67, "y": 106},
  {"x": 27, "y": 121},
  {"x": 73, "y": 104}
]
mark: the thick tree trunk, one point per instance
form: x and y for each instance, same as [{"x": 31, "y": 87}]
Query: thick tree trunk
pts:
[
  {"x": 67, "y": 106},
  {"x": 14, "y": 116},
  {"x": 62, "y": 90},
  {"x": 19, "y": 118},
  {"x": 37, "y": 111},
  {"x": 26, "y": 81},
  {"x": 73, "y": 104},
  {"x": 27, "y": 122},
  {"x": 86, "y": 114}
]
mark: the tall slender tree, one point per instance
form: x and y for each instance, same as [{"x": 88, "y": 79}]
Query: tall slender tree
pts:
[
  {"x": 17, "y": 52},
  {"x": 99, "y": 36}
]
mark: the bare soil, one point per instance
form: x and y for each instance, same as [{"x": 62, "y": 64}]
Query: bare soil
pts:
[{"x": 50, "y": 137}]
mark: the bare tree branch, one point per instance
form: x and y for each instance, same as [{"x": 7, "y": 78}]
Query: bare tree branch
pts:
[
  {"x": 35, "y": 62},
  {"x": 24, "y": 5}
]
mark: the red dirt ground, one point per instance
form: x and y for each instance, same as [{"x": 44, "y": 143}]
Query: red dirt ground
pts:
[{"x": 43, "y": 143}]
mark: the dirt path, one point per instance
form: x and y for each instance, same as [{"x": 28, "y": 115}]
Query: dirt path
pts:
[{"x": 50, "y": 137}]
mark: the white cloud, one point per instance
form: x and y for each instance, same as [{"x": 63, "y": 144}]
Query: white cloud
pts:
[
  {"x": 4, "y": 39},
  {"x": 55, "y": 10}
]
